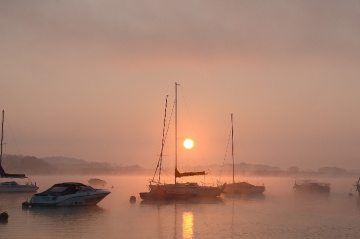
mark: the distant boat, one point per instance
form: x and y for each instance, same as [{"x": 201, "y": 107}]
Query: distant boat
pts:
[
  {"x": 357, "y": 186},
  {"x": 97, "y": 182},
  {"x": 240, "y": 187},
  {"x": 69, "y": 194},
  {"x": 160, "y": 191},
  {"x": 311, "y": 186},
  {"x": 12, "y": 186}
]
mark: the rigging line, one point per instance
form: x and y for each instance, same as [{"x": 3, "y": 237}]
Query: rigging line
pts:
[
  {"x": 8, "y": 122},
  {"x": 227, "y": 147},
  {"x": 164, "y": 139},
  {"x": 158, "y": 166}
]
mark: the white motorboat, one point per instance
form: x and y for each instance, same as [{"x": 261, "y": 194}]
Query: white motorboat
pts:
[
  {"x": 69, "y": 194},
  {"x": 12, "y": 186}
]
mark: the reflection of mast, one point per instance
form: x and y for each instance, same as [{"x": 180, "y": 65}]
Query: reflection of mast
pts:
[{"x": 175, "y": 221}]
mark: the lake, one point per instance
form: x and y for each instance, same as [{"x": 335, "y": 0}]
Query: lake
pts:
[{"x": 279, "y": 213}]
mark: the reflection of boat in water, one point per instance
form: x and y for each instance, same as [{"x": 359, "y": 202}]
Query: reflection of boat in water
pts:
[
  {"x": 240, "y": 187},
  {"x": 69, "y": 194},
  {"x": 246, "y": 197},
  {"x": 69, "y": 212},
  {"x": 160, "y": 191},
  {"x": 13, "y": 186},
  {"x": 311, "y": 186},
  {"x": 97, "y": 182}
]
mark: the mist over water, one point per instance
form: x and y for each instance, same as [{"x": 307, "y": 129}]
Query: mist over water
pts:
[{"x": 279, "y": 213}]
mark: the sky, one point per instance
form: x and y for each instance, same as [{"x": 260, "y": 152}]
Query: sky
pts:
[{"x": 88, "y": 80}]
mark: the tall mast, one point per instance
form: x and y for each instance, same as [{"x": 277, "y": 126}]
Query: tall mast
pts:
[
  {"x": 2, "y": 134},
  {"x": 232, "y": 146},
  {"x": 176, "y": 84}
]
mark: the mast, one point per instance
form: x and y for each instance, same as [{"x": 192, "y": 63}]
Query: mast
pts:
[
  {"x": 2, "y": 135},
  {"x": 232, "y": 146},
  {"x": 176, "y": 84}
]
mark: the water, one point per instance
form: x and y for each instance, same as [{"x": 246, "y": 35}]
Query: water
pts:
[{"x": 279, "y": 213}]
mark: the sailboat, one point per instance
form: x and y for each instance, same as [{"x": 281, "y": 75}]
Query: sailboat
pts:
[
  {"x": 240, "y": 187},
  {"x": 161, "y": 191},
  {"x": 13, "y": 186}
]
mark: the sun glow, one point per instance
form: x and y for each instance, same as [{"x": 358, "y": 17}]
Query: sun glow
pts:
[{"x": 188, "y": 143}]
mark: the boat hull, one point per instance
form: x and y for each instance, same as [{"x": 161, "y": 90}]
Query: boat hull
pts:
[
  {"x": 8, "y": 187},
  {"x": 68, "y": 200},
  {"x": 243, "y": 188},
  {"x": 312, "y": 187},
  {"x": 180, "y": 191}
]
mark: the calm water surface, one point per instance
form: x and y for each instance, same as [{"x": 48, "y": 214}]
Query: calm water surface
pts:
[{"x": 279, "y": 213}]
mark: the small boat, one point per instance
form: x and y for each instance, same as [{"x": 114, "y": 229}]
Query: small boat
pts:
[
  {"x": 69, "y": 194},
  {"x": 12, "y": 186},
  {"x": 357, "y": 186},
  {"x": 311, "y": 186},
  {"x": 97, "y": 182},
  {"x": 240, "y": 187},
  {"x": 176, "y": 191}
]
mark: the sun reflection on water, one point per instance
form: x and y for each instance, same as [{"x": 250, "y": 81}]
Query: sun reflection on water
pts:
[{"x": 188, "y": 225}]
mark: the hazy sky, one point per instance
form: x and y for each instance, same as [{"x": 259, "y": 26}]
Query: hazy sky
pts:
[{"x": 88, "y": 79}]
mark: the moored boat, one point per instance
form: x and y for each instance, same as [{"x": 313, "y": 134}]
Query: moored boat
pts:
[
  {"x": 164, "y": 191},
  {"x": 12, "y": 186},
  {"x": 357, "y": 186},
  {"x": 311, "y": 186},
  {"x": 69, "y": 194},
  {"x": 240, "y": 187},
  {"x": 96, "y": 182}
]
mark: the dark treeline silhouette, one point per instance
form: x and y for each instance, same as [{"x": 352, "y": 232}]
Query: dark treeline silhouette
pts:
[{"x": 31, "y": 165}]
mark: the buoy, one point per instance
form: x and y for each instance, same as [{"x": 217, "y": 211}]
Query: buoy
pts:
[
  {"x": 25, "y": 205},
  {"x": 4, "y": 216},
  {"x": 132, "y": 199}
]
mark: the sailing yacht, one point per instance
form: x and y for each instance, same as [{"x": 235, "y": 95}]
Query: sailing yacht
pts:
[
  {"x": 240, "y": 187},
  {"x": 13, "y": 186},
  {"x": 159, "y": 191}
]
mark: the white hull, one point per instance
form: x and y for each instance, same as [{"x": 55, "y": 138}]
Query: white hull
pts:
[
  {"x": 12, "y": 186},
  {"x": 77, "y": 199}
]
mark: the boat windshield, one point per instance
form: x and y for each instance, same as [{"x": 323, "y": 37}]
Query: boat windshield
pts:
[{"x": 58, "y": 189}]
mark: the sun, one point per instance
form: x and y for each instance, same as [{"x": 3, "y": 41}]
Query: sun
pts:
[{"x": 188, "y": 143}]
